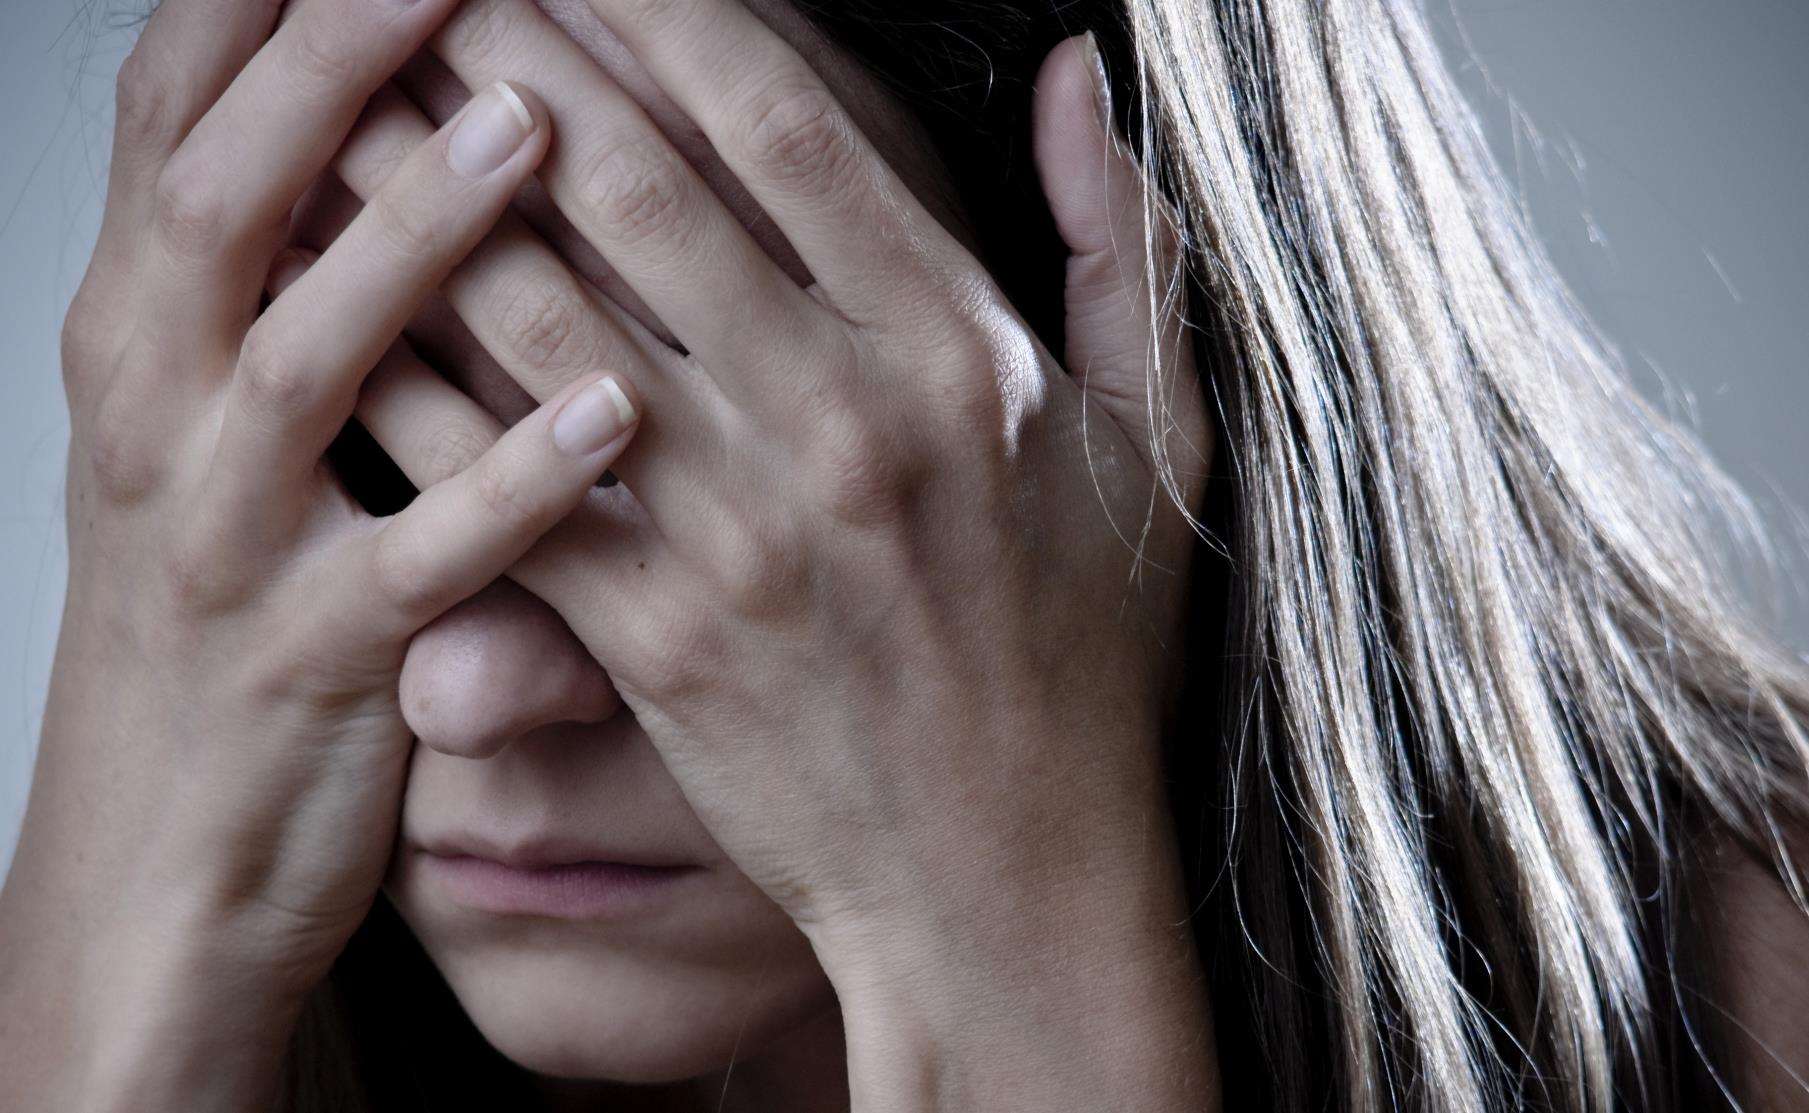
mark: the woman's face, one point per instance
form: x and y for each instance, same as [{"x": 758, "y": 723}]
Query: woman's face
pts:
[{"x": 669, "y": 963}]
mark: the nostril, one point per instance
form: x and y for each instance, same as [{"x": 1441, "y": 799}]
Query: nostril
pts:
[{"x": 497, "y": 667}]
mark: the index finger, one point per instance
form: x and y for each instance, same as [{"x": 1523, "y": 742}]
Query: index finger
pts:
[{"x": 777, "y": 125}]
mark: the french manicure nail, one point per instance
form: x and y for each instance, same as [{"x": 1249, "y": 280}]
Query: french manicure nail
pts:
[
  {"x": 491, "y": 129},
  {"x": 592, "y": 418}
]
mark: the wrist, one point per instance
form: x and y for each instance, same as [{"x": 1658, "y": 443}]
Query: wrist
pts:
[
  {"x": 103, "y": 1023},
  {"x": 131, "y": 1004},
  {"x": 1053, "y": 995},
  {"x": 162, "y": 1045}
]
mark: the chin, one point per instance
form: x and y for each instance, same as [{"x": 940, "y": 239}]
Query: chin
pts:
[
  {"x": 568, "y": 1015},
  {"x": 644, "y": 1003}
]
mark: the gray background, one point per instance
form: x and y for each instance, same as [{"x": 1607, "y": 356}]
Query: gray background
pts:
[{"x": 1660, "y": 144}]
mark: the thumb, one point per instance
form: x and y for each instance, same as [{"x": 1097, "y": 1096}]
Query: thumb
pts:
[{"x": 1097, "y": 195}]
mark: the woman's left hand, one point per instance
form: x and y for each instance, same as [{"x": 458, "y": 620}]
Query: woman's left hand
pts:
[{"x": 898, "y": 594}]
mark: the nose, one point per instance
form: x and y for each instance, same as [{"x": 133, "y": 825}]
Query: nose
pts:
[{"x": 497, "y": 666}]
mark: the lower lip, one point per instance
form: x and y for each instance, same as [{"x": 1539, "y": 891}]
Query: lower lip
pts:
[{"x": 578, "y": 891}]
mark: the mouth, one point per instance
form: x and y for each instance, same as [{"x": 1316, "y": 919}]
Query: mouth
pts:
[{"x": 549, "y": 880}]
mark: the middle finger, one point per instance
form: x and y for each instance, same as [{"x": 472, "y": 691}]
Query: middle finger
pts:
[
  {"x": 546, "y": 329},
  {"x": 633, "y": 196}
]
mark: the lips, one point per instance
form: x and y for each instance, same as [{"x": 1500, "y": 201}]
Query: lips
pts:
[
  {"x": 553, "y": 878},
  {"x": 540, "y": 851}
]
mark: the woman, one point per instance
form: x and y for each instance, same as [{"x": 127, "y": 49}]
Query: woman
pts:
[{"x": 887, "y": 739}]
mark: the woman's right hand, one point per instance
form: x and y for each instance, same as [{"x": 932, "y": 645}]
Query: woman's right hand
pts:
[{"x": 223, "y": 756}]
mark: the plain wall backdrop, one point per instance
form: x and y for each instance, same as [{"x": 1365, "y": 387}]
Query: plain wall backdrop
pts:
[{"x": 1660, "y": 145}]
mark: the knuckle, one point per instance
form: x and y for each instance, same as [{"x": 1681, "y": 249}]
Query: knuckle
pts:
[
  {"x": 452, "y": 449},
  {"x": 122, "y": 470},
  {"x": 322, "y": 56},
  {"x": 408, "y": 232},
  {"x": 81, "y": 328},
  {"x": 542, "y": 327},
  {"x": 637, "y": 188},
  {"x": 500, "y": 487},
  {"x": 144, "y": 100},
  {"x": 994, "y": 367},
  {"x": 760, "y": 569},
  {"x": 861, "y": 475},
  {"x": 479, "y": 32},
  {"x": 373, "y": 158},
  {"x": 668, "y": 652},
  {"x": 84, "y": 342},
  {"x": 976, "y": 392},
  {"x": 802, "y": 138},
  {"x": 1018, "y": 386},
  {"x": 973, "y": 301},
  {"x": 190, "y": 206},
  {"x": 271, "y": 379},
  {"x": 403, "y": 574},
  {"x": 201, "y": 580}
]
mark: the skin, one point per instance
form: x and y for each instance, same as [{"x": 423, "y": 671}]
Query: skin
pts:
[
  {"x": 722, "y": 974},
  {"x": 881, "y": 476},
  {"x": 503, "y": 676},
  {"x": 220, "y": 790}
]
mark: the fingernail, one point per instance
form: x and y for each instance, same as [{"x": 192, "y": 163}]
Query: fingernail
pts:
[
  {"x": 1102, "y": 85},
  {"x": 492, "y": 128},
  {"x": 593, "y": 418}
]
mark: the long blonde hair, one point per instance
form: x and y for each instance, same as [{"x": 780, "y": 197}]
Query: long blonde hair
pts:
[
  {"x": 1471, "y": 672},
  {"x": 1485, "y": 669}
]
